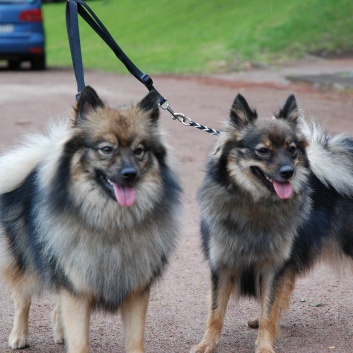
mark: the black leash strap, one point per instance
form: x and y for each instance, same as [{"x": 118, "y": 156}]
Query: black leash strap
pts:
[{"x": 75, "y": 7}]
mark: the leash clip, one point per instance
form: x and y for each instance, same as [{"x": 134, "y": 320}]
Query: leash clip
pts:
[
  {"x": 182, "y": 118},
  {"x": 166, "y": 106}
]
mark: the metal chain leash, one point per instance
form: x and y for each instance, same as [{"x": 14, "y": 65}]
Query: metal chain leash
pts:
[{"x": 186, "y": 121}]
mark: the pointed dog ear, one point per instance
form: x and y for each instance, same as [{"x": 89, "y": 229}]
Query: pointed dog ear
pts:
[
  {"x": 88, "y": 102},
  {"x": 240, "y": 113},
  {"x": 289, "y": 111},
  {"x": 150, "y": 105}
]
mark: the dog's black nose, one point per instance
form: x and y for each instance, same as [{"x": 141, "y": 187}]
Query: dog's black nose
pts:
[
  {"x": 129, "y": 174},
  {"x": 286, "y": 172}
]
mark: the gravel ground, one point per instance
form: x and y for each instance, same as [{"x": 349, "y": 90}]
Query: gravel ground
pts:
[{"x": 179, "y": 302}]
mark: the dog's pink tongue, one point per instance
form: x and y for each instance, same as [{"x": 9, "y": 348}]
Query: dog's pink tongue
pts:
[
  {"x": 125, "y": 195},
  {"x": 283, "y": 190}
]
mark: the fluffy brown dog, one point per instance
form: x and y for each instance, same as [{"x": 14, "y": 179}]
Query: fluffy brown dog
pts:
[
  {"x": 89, "y": 211},
  {"x": 276, "y": 199}
]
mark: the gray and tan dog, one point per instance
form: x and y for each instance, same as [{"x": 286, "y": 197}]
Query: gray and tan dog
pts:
[
  {"x": 89, "y": 211},
  {"x": 276, "y": 199}
]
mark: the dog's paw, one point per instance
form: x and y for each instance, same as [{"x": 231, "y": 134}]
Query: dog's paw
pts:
[
  {"x": 266, "y": 349},
  {"x": 254, "y": 322},
  {"x": 18, "y": 340},
  {"x": 203, "y": 347},
  {"x": 58, "y": 337}
]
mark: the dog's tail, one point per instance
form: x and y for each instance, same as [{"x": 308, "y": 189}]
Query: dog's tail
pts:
[
  {"x": 331, "y": 158},
  {"x": 16, "y": 164}
]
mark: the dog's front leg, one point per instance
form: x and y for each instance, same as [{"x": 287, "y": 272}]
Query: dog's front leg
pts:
[
  {"x": 58, "y": 328},
  {"x": 19, "y": 335},
  {"x": 275, "y": 295},
  {"x": 75, "y": 313},
  {"x": 221, "y": 287},
  {"x": 133, "y": 314}
]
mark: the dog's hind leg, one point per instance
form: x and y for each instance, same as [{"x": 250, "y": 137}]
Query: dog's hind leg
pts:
[
  {"x": 75, "y": 319},
  {"x": 133, "y": 314},
  {"x": 58, "y": 328},
  {"x": 222, "y": 286},
  {"x": 275, "y": 295}
]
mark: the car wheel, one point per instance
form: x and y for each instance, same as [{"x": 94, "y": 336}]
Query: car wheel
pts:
[
  {"x": 38, "y": 62},
  {"x": 14, "y": 64}
]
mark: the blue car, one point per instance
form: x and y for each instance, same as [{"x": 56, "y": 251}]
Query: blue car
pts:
[{"x": 22, "y": 35}]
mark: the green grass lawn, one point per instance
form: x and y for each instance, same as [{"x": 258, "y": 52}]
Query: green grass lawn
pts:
[{"x": 194, "y": 36}]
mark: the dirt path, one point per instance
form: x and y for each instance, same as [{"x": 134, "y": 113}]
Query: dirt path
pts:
[{"x": 179, "y": 304}]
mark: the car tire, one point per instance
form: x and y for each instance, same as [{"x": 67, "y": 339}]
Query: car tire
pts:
[
  {"x": 38, "y": 63},
  {"x": 14, "y": 64}
]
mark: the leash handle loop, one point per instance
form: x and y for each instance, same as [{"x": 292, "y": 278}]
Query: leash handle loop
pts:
[
  {"x": 73, "y": 33},
  {"x": 79, "y": 7}
]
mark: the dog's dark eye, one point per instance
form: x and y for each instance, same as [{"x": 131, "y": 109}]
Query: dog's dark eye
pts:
[
  {"x": 263, "y": 151},
  {"x": 107, "y": 149},
  {"x": 292, "y": 150},
  {"x": 139, "y": 151}
]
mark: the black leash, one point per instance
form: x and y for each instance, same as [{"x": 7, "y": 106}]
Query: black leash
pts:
[{"x": 75, "y": 7}]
